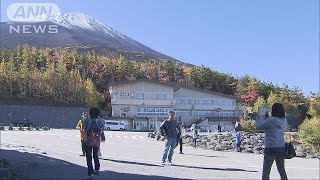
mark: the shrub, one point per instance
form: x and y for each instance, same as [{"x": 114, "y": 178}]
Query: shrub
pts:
[
  {"x": 249, "y": 126},
  {"x": 309, "y": 134}
]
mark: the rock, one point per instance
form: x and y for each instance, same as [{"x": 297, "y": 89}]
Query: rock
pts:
[
  {"x": 300, "y": 148},
  {"x": 158, "y": 137},
  {"x": 258, "y": 148},
  {"x": 300, "y": 154},
  {"x": 310, "y": 156},
  {"x": 218, "y": 148},
  {"x": 247, "y": 150},
  {"x": 251, "y": 143},
  {"x": 226, "y": 143},
  {"x": 43, "y": 152}
]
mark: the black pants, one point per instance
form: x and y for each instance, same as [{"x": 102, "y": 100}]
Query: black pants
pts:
[
  {"x": 239, "y": 147},
  {"x": 83, "y": 147},
  {"x": 270, "y": 155},
  {"x": 92, "y": 152},
  {"x": 180, "y": 142}
]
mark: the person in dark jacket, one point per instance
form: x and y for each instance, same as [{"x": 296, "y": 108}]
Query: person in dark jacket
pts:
[
  {"x": 94, "y": 124},
  {"x": 170, "y": 130},
  {"x": 274, "y": 128}
]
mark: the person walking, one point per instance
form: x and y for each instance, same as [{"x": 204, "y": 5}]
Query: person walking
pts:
[
  {"x": 170, "y": 130},
  {"x": 195, "y": 135},
  {"x": 181, "y": 135},
  {"x": 94, "y": 136},
  {"x": 274, "y": 128},
  {"x": 238, "y": 141},
  {"x": 80, "y": 127}
]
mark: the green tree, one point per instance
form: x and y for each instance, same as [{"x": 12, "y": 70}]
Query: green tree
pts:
[
  {"x": 8, "y": 77},
  {"x": 273, "y": 98},
  {"x": 309, "y": 134},
  {"x": 93, "y": 97},
  {"x": 23, "y": 74},
  {"x": 259, "y": 102},
  {"x": 314, "y": 107}
]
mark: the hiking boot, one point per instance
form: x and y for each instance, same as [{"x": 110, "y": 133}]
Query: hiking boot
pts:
[
  {"x": 96, "y": 172},
  {"x": 181, "y": 153},
  {"x": 163, "y": 163}
]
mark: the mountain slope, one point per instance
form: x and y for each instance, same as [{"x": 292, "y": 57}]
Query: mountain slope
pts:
[{"x": 76, "y": 30}]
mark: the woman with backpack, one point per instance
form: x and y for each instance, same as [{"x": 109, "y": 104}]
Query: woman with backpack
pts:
[{"x": 94, "y": 136}]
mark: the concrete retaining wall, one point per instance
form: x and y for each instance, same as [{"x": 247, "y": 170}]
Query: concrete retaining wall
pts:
[{"x": 55, "y": 117}]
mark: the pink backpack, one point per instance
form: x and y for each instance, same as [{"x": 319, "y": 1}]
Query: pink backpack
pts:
[{"x": 94, "y": 136}]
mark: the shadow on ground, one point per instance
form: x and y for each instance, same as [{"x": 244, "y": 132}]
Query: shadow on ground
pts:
[
  {"x": 37, "y": 166},
  {"x": 214, "y": 168},
  {"x": 178, "y": 165},
  {"x": 130, "y": 162},
  {"x": 209, "y": 156}
]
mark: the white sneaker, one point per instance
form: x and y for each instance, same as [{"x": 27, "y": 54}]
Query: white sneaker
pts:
[{"x": 170, "y": 163}]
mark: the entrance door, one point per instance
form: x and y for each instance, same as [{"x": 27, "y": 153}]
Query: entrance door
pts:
[
  {"x": 152, "y": 124},
  {"x": 140, "y": 125}
]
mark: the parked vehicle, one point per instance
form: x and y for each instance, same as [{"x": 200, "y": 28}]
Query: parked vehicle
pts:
[{"x": 113, "y": 125}]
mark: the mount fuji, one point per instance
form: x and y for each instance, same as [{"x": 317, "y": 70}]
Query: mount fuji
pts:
[{"x": 76, "y": 30}]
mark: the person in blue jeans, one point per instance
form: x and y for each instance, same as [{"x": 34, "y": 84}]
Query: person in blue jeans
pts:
[
  {"x": 238, "y": 141},
  {"x": 274, "y": 149},
  {"x": 170, "y": 130}
]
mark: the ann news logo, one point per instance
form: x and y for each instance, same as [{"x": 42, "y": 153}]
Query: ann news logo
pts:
[{"x": 26, "y": 18}]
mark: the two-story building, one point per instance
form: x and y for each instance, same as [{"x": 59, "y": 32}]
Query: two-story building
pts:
[{"x": 146, "y": 103}]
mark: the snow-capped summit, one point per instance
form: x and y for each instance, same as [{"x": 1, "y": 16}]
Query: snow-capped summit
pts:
[
  {"x": 83, "y": 21},
  {"x": 80, "y": 31}
]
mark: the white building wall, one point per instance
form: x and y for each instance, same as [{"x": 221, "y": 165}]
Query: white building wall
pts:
[
  {"x": 129, "y": 98},
  {"x": 139, "y": 94},
  {"x": 196, "y": 98}
]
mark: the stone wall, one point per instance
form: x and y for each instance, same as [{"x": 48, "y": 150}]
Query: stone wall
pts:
[{"x": 251, "y": 143}]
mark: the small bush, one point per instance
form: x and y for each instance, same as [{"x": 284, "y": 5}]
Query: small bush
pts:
[
  {"x": 309, "y": 134},
  {"x": 249, "y": 126}
]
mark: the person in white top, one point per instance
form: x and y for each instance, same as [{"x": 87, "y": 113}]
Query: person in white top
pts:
[{"x": 195, "y": 135}]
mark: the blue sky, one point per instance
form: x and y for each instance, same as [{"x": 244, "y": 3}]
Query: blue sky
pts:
[{"x": 276, "y": 41}]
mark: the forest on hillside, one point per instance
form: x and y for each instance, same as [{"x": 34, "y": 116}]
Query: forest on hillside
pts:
[{"x": 70, "y": 77}]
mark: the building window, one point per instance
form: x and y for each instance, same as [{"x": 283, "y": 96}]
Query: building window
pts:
[
  {"x": 205, "y": 102},
  {"x": 161, "y": 96},
  {"x": 196, "y": 101},
  {"x": 182, "y": 113},
  {"x": 153, "y": 111},
  {"x": 139, "y": 95}
]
